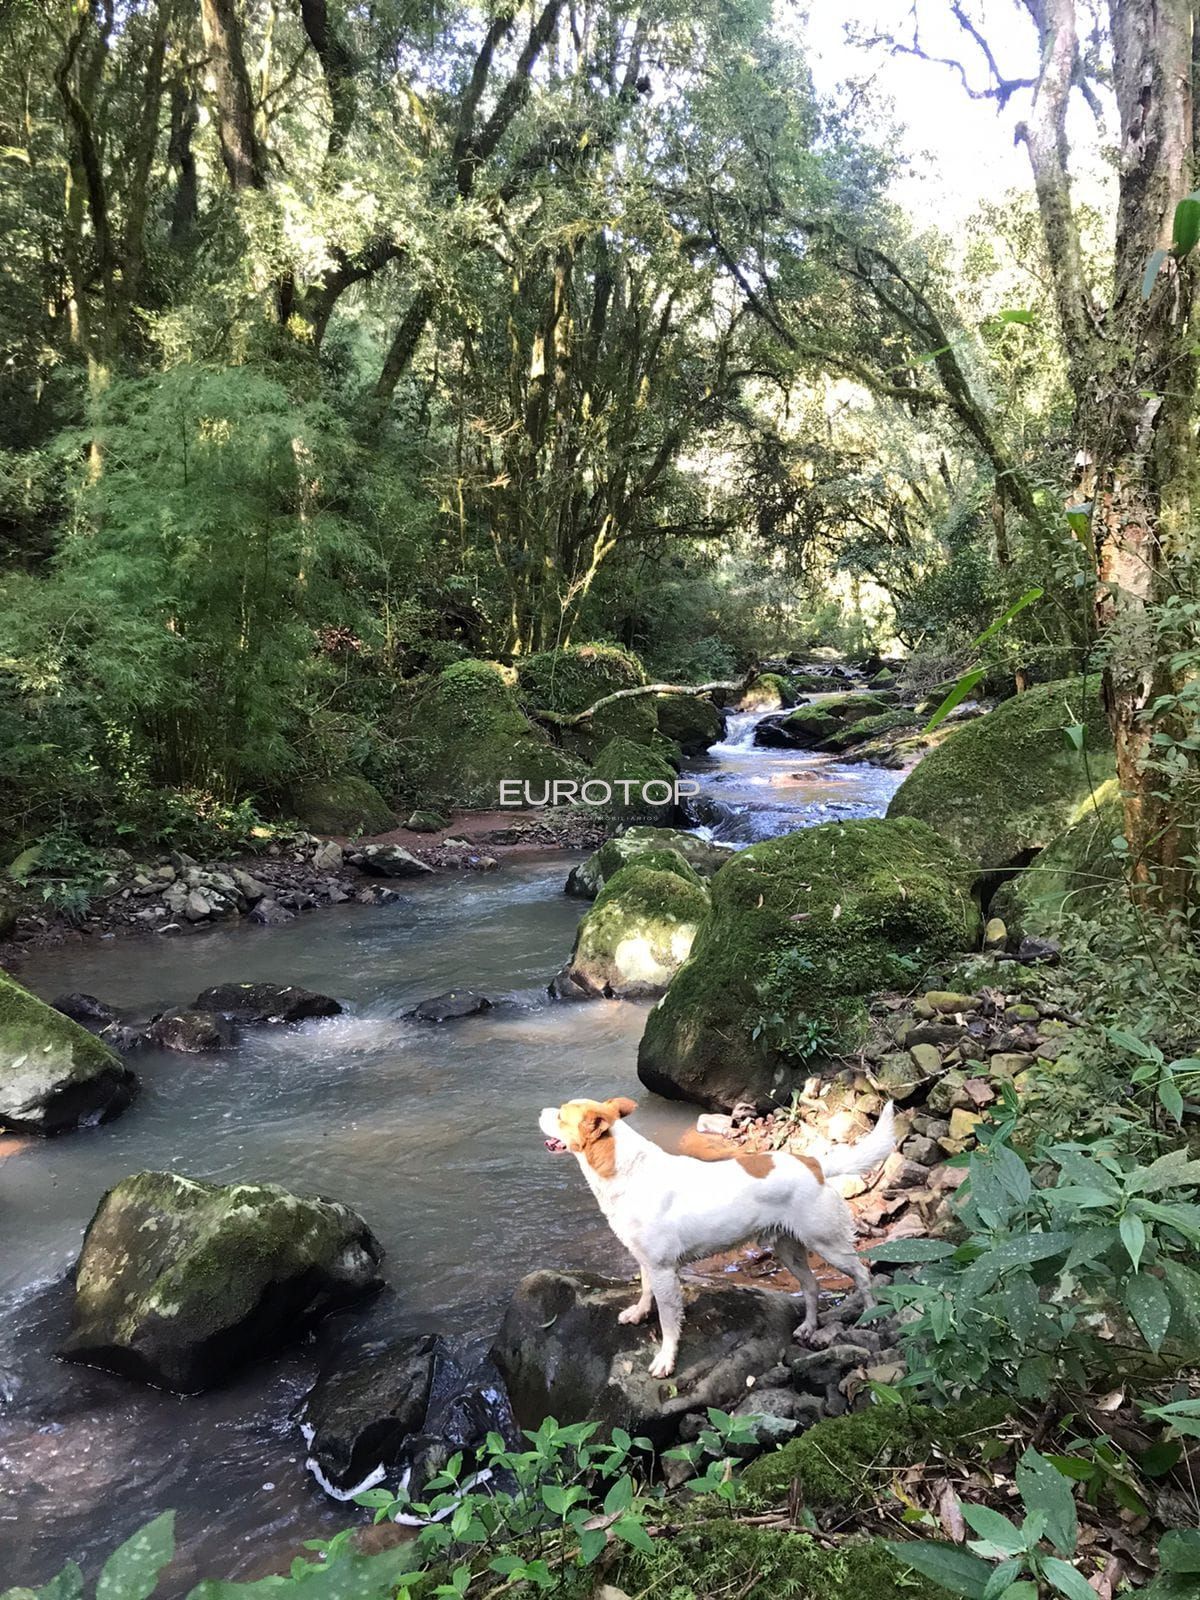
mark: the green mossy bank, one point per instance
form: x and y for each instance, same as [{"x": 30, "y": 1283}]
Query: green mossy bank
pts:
[
  {"x": 464, "y": 734},
  {"x": 569, "y": 681},
  {"x": 639, "y": 932},
  {"x": 801, "y": 927},
  {"x": 54, "y": 1075},
  {"x": 1077, "y": 874},
  {"x": 344, "y": 804},
  {"x": 1005, "y": 785}
]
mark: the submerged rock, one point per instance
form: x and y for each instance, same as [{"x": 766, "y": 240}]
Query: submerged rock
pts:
[
  {"x": 92, "y": 1014},
  {"x": 800, "y": 928},
  {"x": 180, "y": 1282},
  {"x": 638, "y": 934},
  {"x": 401, "y": 1413},
  {"x": 586, "y": 880},
  {"x": 450, "y": 1006},
  {"x": 266, "y": 1002},
  {"x": 191, "y": 1032},
  {"x": 54, "y": 1074},
  {"x": 562, "y": 1353},
  {"x": 1004, "y": 786}
]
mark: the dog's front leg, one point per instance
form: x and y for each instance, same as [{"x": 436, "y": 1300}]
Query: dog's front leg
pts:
[
  {"x": 640, "y": 1310},
  {"x": 668, "y": 1296}
]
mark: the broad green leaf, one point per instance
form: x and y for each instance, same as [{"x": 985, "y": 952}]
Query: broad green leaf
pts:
[
  {"x": 1012, "y": 1172},
  {"x": 1183, "y": 1286},
  {"x": 1187, "y": 225},
  {"x": 1021, "y": 316},
  {"x": 1171, "y": 1099},
  {"x": 1155, "y": 261},
  {"x": 1175, "y": 1170},
  {"x": 1020, "y": 1300},
  {"x": 1002, "y": 1578},
  {"x": 904, "y": 1250},
  {"x": 68, "y": 1585},
  {"x": 1125, "y": 1040},
  {"x": 959, "y": 693},
  {"x": 1079, "y": 520},
  {"x": 631, "y": 1532},
  {"x": 995, "y": 1530},
  {"x": 1149, "y": 1305},
  {"x": 1025, "y": 1590},
  {"x": 1133, "y": 1237},
  {"x": 954, "y": 1568},
  {"x": 1043, "y": 1487},
  {"x": 620, "y": 1496},
  {"x": 1179, "y": 1550},
  {"x": 131, "y": 1572},
  {"x": 1022, "y": 1251},
  {"x": 1067, "y": 1580}
]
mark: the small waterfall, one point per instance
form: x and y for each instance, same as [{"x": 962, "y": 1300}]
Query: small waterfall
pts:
[{"x": 739, "y": 729}]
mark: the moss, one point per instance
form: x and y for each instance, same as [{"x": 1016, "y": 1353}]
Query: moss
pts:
[
  {"x": 666, "y": 861},
  {"x": 718, "y": 1556},
  {"x": 770, "y": 691},
  {"x": 846, "y": 708},
  {"x": 54, "y": 1074},
  {"x": 1076, "y": 874},
  {"x": 639, "y": 932},
  {"x": 693, "y": 724},
  {"x": 810, "y": 724},
  {"x": 343, "y": 804},
  {"x": 571, "y": 680},
  {"x": 837, "y": 1461},
  {"x": 622, "y": 763},
  {"x": 870, "y": 728},
  {"x": 703, "y": 858},
  {"x": 834, "y": 907},
  {"x": 465, "y": 734},
  {"x": 1008, "y": 783}
]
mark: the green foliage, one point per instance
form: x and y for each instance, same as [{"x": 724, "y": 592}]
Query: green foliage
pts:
[{"x": 1074, "y": 1266}]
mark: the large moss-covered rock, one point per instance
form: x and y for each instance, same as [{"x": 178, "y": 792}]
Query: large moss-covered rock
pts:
[
  {"x": 1006, "y": 784},
  {"x": 344, "y": 804},
  {"x": 587, "y": 879},
  {"x": 569, "y": 681},
  {"x": 1079, "y": 873},
  {"x": 770, "y": 691},
  {"x": 637, "y": 935},
  {"x": 465, "y": 734},
  {"x": 800, "y": 927},
  {"x": 180, "y": 1282},
  {"x": 852, "y": 734},
  {"x": 694, "y": 724},
  {"x": 54, "y": 1075},
  {"x": 638, "y": 783}
]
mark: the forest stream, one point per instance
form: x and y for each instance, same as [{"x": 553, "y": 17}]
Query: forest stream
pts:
[{"x": 429, "y": 1132}]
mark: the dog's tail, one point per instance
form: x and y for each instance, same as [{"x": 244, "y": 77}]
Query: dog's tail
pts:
[{"x": 847, "y": 1160}]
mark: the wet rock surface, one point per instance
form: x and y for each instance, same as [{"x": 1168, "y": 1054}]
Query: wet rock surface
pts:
[{"x": 264, "y": 1003}]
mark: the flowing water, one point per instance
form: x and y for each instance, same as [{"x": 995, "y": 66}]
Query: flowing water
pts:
[{"x": 428, "y": 1131}]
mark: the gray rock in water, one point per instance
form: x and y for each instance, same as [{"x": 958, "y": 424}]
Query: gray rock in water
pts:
[
  {"x": 403, "y": 1410},
  {"x": 450, "y": 1006},
  {"x": 266, "y": 1002},
  {"x": 85, "y": 1009},
  {"x": 192, "y": 1032},
  {"x": 180, "y": 1282},
  {"x": 270, "y": 914},
  {"x": 562, "y": 1353},
  {"x": 389, "y": 861},
  {"x": 54, "y": 1074}
]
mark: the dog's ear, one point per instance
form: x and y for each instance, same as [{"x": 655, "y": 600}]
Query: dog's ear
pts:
[
  {"x": 594, "y": 1122},
  {"x": 621, "y": 1106}
]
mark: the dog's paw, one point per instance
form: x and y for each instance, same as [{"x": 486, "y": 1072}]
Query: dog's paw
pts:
[
  {"x": 662, "y": 1367},
  {"x": 634, "y": 1313},
  {"x": 804, "y": 1333}
]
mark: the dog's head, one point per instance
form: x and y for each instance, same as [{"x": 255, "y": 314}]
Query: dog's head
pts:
[{"x": 584, "y": 1128}]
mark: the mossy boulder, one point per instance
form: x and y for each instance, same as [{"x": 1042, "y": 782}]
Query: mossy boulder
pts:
[
  {"x": 1079, "y": 873},
  {"x": 770, "y": 691},
  {"x": 638, "y": 784},
  {"x": 800, "y": 928},
  {"x": 465, "y": 735},
  {"x": 852, "y": 734},
  {"x": 569, "y": 681},
  {"x": 345, "y": 804},
  {"x": 803, "y": 729},
  {"x": 638, "y": 934},
  {"x": 54, "y": 1074},
  {"x": 180, "y": 1282},
  {"x": 852, "y": 706},
  {"x": 1004, "y": 785},
  {"x": 693, "y": 724},
  {"x": 701, "y": 857}
]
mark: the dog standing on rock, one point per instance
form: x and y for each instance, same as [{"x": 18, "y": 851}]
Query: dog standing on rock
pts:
[{"x": 670, "y": 1209}]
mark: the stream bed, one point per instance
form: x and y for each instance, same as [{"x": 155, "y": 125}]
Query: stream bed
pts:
[{"x": 430, "y": 1132}]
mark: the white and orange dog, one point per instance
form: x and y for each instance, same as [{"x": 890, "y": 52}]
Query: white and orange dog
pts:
[{"x": 670, "y": 1209}]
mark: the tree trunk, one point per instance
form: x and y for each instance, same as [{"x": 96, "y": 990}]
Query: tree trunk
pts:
[{"x": 241, "y": 151}]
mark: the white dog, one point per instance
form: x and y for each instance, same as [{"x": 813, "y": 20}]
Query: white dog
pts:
[{"x": 667, "y": 1209}]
